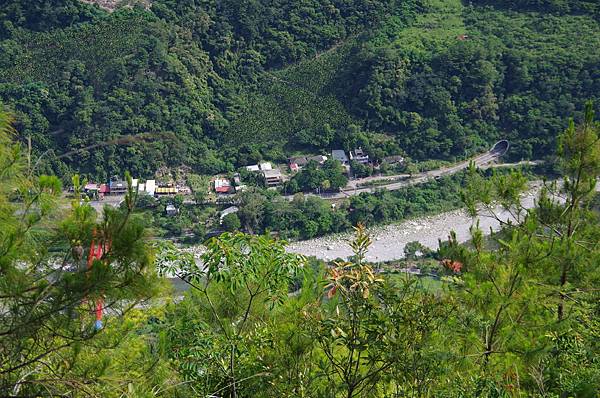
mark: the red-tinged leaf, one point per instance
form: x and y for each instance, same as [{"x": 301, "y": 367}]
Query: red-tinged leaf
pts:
[{"x": 331, "y": 292}]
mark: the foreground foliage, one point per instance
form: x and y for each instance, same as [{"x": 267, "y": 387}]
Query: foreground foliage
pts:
[
  {"x": 48, "y": 342},
  {"x": 519, "y": 317},
  {"x": 518, "y": 314}
]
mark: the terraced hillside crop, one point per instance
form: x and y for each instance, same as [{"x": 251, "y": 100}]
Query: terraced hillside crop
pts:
[{"x": 239, "y": 82}]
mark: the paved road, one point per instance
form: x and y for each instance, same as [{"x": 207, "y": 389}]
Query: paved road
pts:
[{"x": 480, "y": 161}]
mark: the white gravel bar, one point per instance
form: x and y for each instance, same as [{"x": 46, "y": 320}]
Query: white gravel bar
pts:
[{"x": 389, "y": 240}]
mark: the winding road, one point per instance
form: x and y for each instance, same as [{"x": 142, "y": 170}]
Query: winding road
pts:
[{"x": 354, "y": 188}]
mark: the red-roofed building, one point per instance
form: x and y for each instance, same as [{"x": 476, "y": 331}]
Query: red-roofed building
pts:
[{"x": 222, "y": 185}]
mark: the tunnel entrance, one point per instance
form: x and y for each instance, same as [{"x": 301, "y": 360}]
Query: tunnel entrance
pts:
[{"x": 500, "y": 148}]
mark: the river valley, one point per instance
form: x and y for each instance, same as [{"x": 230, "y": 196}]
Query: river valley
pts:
[{"x": 389, "y": 240}]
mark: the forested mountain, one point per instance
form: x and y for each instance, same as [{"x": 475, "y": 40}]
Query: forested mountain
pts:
[
  {"x": 560, "y": 6},
  {"x": 219, "y": 84}
]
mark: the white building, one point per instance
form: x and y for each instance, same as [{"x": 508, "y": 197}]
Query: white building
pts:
[
  {"x": 150, "y": 187},
  {"x": 266, "y": 166},
  {"x": 359, "y": 156}
]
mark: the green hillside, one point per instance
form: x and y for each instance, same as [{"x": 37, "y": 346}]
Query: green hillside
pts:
[
  {"x": 223, "y": 84},
  {"x": 449, "y": 83},
  {"x": 292, "y": 106},
  {"x": 492, "y": 284}
]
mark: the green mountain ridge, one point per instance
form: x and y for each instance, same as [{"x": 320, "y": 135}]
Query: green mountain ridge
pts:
[{"x": 232, "y": 83}]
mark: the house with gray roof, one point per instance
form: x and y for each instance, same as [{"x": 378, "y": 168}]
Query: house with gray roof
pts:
[{"x": 340, "y": 155}]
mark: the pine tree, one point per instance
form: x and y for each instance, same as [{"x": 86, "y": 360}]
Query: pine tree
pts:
[{"x": 48, "y": 290}]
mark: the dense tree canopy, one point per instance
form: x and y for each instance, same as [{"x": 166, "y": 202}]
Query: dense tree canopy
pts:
[
  {"x": 513, "y": 314},
  {"x": 217, "y": 84},
  {"x": 220, "y": 84},
  {"x": 553, "y": 6}
]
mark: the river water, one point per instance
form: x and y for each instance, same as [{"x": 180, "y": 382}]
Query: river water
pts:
[{"x": 389, "y": 240}]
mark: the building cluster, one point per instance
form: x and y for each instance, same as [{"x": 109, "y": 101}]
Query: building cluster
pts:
[
  {"x": 357, "y": 155},
  {"x": 222, "y": 185},
  {"x": 116, "y": 187},
  {"x": 273, "y": 176},
  {"x": 296, "y": 163},
  {"x": 347, "y": 159}
]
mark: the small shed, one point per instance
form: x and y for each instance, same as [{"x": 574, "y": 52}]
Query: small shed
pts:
[{"x": 171, "y": 210}]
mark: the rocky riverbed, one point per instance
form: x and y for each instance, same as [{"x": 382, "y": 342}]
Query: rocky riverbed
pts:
[{"x": 389, "y": 240}]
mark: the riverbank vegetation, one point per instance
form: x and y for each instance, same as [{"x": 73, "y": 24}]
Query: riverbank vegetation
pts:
[
  {"x": 86, "y": 307},
  {"x": 309, "y": 216}
]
